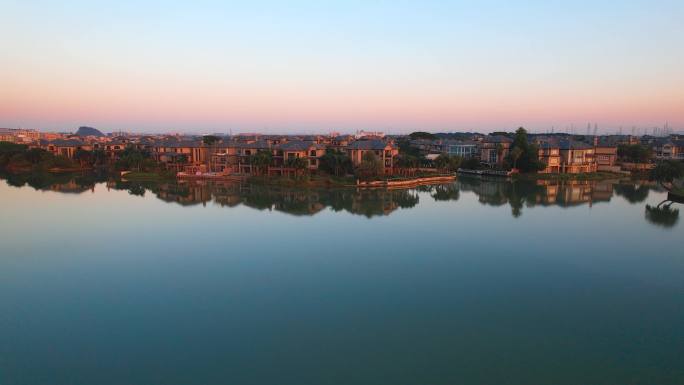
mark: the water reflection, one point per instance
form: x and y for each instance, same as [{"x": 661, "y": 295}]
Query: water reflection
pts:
[
  {"x": 662, "y": 215},
  {"x": 369, "y": 203},
  {"x": 295, "y": 201}
]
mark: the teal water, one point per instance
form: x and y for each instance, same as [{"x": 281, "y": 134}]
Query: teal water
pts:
[{"x": 475, "y": 282}]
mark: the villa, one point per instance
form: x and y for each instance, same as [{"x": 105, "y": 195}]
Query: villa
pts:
[
  {"x": 571, "y": 156},
  {"x": 385, "y": 151},
  {"x": 494, "y": 149},
  {"x": 669, "y": 148}
]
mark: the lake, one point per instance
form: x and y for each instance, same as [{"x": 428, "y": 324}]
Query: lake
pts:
[{"x": 474, "y": 282}]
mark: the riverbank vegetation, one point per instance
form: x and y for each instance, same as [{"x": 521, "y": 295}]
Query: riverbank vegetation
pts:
[
  {"x": 19, "y": 158},
  {"x": 634, "y": 153},
  {"x": 666, "y": 173},
  {"x": 523, "y": 155}
]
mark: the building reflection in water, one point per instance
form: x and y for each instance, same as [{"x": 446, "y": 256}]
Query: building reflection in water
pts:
[{"x": 367, "y": 202}]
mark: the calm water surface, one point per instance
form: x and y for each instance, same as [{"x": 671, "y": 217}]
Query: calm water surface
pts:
[{"x": 475, "y": 282}]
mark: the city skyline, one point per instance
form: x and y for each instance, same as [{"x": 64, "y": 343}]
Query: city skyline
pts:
[
  {"x": 305, "y": 67},
  {"x": 569, "y": 130}
]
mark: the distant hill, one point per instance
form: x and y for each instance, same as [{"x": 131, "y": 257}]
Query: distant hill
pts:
[{"x": 88, "y": 131}]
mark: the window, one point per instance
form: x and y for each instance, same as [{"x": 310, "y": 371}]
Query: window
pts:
[{"x": 312, "y": 153}]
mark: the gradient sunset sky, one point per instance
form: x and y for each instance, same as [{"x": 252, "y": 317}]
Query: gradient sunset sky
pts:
[{"x": 317, "y": 66}]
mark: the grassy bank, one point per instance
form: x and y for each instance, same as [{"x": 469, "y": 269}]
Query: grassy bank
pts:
[{"x": 561, "y": 177}]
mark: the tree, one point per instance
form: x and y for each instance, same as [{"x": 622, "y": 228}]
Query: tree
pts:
[
  {"x": 83, "y": 157},
  {"x": 442, "y": 162},
  {"x": 370, "y": 166},
  {"x": 299, "y": 164},
  {"x": 405, "y": 148},
  {"x": 261, "y": 160},
  {"x": 634, "y": 153},
  {"x": 99, "y": 157},
  {"x": 36, "y": 155},
  {"x": 666, "y": 172},
  {"x": 335, "y": 162},
  {"x": 408, "y": 163},
  {"x": 210, "y": 139},
  {"x": 528, "y": 160},
  {"x": 471, "y": 164},
  {"x": 516, "y": 153},
  {"x": 132, "y": 158},
  {"x": 422, "y": 135},
  {"x": 448, "y": 162},
  {"x": 455, "y": 162},
  {"x": 9, "y": 150}
]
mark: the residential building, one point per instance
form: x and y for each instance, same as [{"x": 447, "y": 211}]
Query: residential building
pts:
[
  {"x": 385, "y": 151},
  {"x": 549, "y": 154},
  {"x": 566, "y": 155},
  {"x": 576, "y": 157},
  {"x": 669, "y": 148},
  {"x": 310, "y": 151},
  {"x": 605, "y": 155},
  {"x": 66, "y": 147},
  {"x": 494, "y": 149},
  {"x": 464, "y": 149}
]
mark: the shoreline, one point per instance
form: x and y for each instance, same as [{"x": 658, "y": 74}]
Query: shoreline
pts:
[{"x": 320, "y": 181}]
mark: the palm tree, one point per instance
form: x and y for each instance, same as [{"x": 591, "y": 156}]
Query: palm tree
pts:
[
  {"x": 299, "y": 164},
  {"x": 370, "y": 166},
  {"x": 83, "y": 157},
  {"x": 335, "y": 162},
  {"x": 442, "y": 161},
  {"x": 408, "y": 163},
  {"x": 516, "y": 152},
  {"x": 261, "y": 160}
]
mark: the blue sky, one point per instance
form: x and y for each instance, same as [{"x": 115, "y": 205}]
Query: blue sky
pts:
[{"x": 304, "y": 66}]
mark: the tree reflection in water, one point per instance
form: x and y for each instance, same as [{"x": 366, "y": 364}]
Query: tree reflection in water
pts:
[
  {"x": 367, "y": 202},
  {"x": 662, "y": 214},
  {"x": 633, "y": 193}
]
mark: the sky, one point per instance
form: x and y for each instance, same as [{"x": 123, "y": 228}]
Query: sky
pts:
[{"x": 320, "y": 66}]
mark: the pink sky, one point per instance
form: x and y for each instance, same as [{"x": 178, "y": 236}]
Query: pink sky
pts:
[{"x": 342, "y": 67}]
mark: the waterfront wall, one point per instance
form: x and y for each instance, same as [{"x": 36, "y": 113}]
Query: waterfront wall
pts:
[{"x": 406, "y": 182}]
